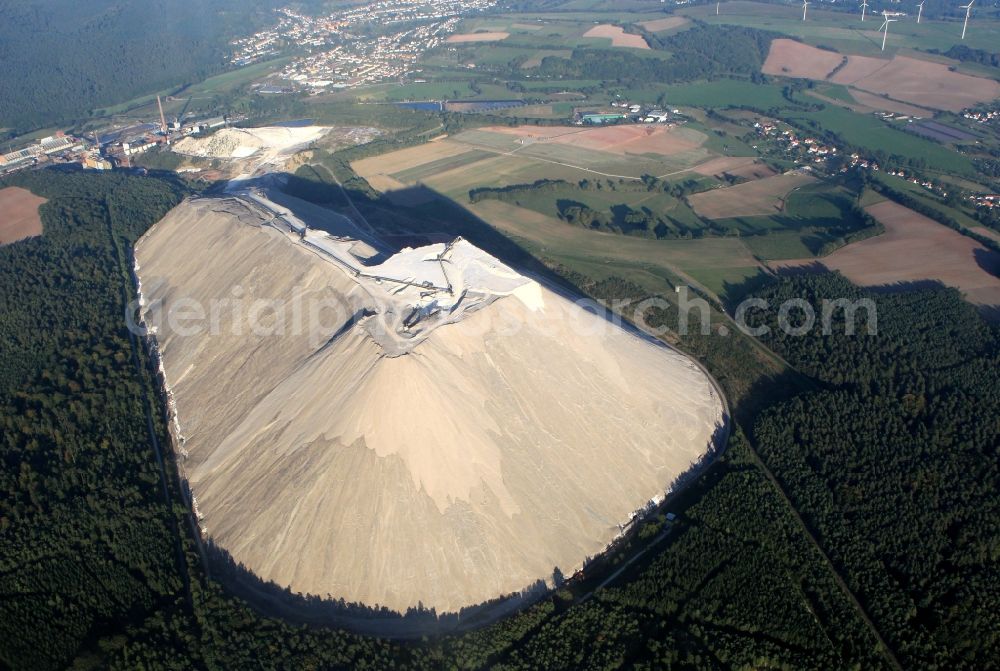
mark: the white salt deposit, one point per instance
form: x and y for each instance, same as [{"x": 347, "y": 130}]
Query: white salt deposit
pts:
[{"x": 453, "y": 436}]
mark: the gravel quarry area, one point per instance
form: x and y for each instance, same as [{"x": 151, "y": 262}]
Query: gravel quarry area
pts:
[{"x": 452, "y": 433}]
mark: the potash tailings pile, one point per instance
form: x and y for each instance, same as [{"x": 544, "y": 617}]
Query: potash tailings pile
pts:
[
  {"x": 245, "y": 142},
  {"x": 453, "y": 433}
]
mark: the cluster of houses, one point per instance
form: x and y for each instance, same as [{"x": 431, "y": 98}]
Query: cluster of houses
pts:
[
  {"x": 926, "y": 183},
  {"x": 982, "y": 116},
  {"x": 807, "y": 149},
  {"x": 337, "y": 58},
  {"x": 987, "y": 201}
]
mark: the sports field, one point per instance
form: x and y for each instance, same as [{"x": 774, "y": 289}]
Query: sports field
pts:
[{"x": 19, "y": 218}]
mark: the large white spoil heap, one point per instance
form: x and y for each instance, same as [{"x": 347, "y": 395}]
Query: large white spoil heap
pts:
[{"x": 431, "y": 427}]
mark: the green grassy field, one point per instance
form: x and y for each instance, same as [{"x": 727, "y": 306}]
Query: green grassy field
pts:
[
  {"x": 219, "y": 84},
  {"x": 561, "y": 84},
  {"x": 845, "y": 31},
  {"x": 229, "y": 81},
  {"x": 780, "y": 245},
  {"x": 723, "y": 93},
  {"x": 709, "y": 262},
  {"x": 927, "y": 198},
  {"x": 867, "y": 131},
  {"x": 835, "y": 92},
  {"x": 813, "y": 215},
  {"x": 610, "y": 201}
]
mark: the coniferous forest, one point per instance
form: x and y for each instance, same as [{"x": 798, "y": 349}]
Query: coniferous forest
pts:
[{"x": 852, "y": 524}]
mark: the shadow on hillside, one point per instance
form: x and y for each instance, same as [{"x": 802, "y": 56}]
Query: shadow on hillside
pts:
[
  {"x": 988, "y": 260},
  {"x": 430, "y": 219},
  {"x": 272, "y": 600},
  {"x": 907, "y": 286}
]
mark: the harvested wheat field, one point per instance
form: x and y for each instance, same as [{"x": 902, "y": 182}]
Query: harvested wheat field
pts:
[
  {"x": 19, "y": 218},
  {"x": 747, "y": 167},
  {"x": 857, "y": 68},
  {"x": 620, "y": 140},
  {"x": 886, "y": 105},
  {"x": 450, "y": 436},
  {"x": 399, "y": 193},
  {"x": 988, "y": 232},
  {"x": 789, "y": 58},
  {"x": 618, "y": 36},
  {"x": 478, "y": 37},
  {"x": 404, "y": 159},
  {"x": 666, "y": 23},
  {"x": 915, "y": 248},
  {"x": 637, "y": 139},
  {"x": 757, "y": 198},
  {"x": 902, "y": 78},
  {"x": 928, "y": 84}
]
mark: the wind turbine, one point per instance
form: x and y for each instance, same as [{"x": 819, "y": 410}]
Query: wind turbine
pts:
[
  {"x": 920, "y": 11},
  {"x": 864, "y": 6},
  {"x": 968, "y": 10},
  {"x": 885, "y": 26},
  {"x": 805, "y": 8}
]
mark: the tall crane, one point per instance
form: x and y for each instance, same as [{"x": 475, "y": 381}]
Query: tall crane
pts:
[{"x": 163, "y": 120}]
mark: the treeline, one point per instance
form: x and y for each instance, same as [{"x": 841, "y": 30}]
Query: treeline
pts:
[
  {"x": 699, "y": 53},
  {"x": 870, "y": 227},
  {"x": 621, "y": 218},
  {"x": 965, "y": 54},
  {"x": 513, "y": 192},
  {"x": 893, "y": 465}
]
